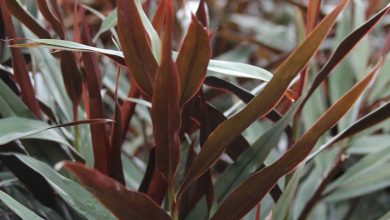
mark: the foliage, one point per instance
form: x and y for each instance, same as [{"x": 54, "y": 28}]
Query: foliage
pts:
[{"x": 130, "y": 109}]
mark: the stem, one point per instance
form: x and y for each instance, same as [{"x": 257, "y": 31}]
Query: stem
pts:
[{"x": 172, "y": 200}]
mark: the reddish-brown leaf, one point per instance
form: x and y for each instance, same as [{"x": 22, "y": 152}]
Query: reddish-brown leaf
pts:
[
  {"x": 115, "y": 160},
  {"x": 153, "y": 182},
  {"x": 264, "y": 102},
  {"x": 193, "y": 58},
  {"x": 127, "y": 110},
  {"x": 134, "y": 40},
  {"x": 158, "y": 18},
  {"x": 244, "y": 95},
  {"x": 20, "y": 67},
  {"x": 72, "y": 77},
  {"x": 43, "y": 6},
  {"x": 252, "y": 190},
  {"x": 123, "y": 203},
  {"x": 99, "y": 136},
  {"x": 312, "y": 14},
  {"x": 165, "y": 103},
  {"x": 201, "y": 13}
]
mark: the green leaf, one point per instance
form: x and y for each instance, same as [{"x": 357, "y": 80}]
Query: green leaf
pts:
[
  {"x": 23, "y": 212},
  {"x": 11, "y": 105},
  {"x": 13, "y": 128},
  {"x": 228, "y": 68},
  {"x": 284, "y": 204},
  {"x": 108, "y": 23},
  {"x": 76, "y": 196},
  {"x": 367, "y": 175}
]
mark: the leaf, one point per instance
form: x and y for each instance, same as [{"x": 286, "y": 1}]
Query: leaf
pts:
[
  {"x": 117, "y": 56},
  {"x": 23, "y": 212},
  {"x": 262, "y": 103},
  {"x": 43, "y": 6},
  {"x": 193, "y": 59},
  {"x": 202, "y": 14},
  {"x": 20, "y": 66},
  {"x": 166, "y": 104},
  {"x": 125, "y": 204},
  {"x": 14, "y": 128},
  {"x": 11, "y": 105},
  {"x": 115, "y": 166},
  {"x": 244, "y": 95},
  {"x": 369, "y": 144},
  {"x": 72, "y": 78},
  {"x": 224, "y": 68},
  {"x": 364, "y": 183},
  {"x": 252, "y": 190},
  {"x": 28, "y": 169},
  {"x": 312, "y": 14},
  {"x": 228, "y": 68},
  {"x": 108, "y": 23},
  {"x": 283, "y": 205},
  {"x": 135, "y": 45},
  {"x": 99, "y": 136},
  {"x": 364, "y": 167}
]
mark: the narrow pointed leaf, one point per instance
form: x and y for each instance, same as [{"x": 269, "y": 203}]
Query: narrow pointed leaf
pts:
[
  {"x": 193, "y": 59},
  {"x": 20, "y": 67},
  {"x": 23, "y": 212},
  {"x": 125, "y": 204},
  {"x": 135, "y": 45},
  {"x": 202, "y": 14},
  {"x": 166, "y": 104},
  {"x": 99, "y": 136},
  {"x": 12, "y": 128},
  {"x": 56, "y": 24}
]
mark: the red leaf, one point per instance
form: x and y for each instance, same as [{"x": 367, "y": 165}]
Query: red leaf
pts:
[
  {"x": 123, "y": 203},
  {"x": 51, "y": 18},
  {"x": 201, "y": 13},
  {"x": 20, "y": 66},
  {"x": 134, "y": 41},
  {"x": 99, "y": 136},
  {"x": 193, "y": 58},
  {"x": 165, "y": 104}
]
